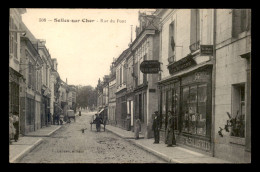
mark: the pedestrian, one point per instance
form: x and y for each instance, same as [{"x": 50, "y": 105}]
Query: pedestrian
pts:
[
  {"x": 156, "y": 127},
  {"x": 11, "y": 128},
  {"x": 170, "y": 136},
  {"x": 137, "y": 128},
  {"x": 16, "y": 126},
  {"x": 97, "y": 122}
]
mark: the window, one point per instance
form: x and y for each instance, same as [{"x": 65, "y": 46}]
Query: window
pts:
[
  {"x": 171, "y": 57},
  {"x": 241, "y": 21},
  {"x": 238, "y": 110},
  {"x": 195, "y": 30},
  {"x": 194, "y": 108},
  {"x": 13, "y": 47},
  {"x": 30, "y": 74}
]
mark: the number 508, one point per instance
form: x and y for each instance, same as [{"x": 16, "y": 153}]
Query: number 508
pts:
[{"x": 42, "y": 19}]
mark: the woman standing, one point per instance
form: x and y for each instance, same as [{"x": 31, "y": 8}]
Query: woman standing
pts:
[
  {"x": 137, "y": 128},
  {"x": 170, "y": 136},
  {"x": 11, "y": 128}
]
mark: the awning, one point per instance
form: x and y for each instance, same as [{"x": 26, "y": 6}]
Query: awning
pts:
[{"x": 101, "y": 110}]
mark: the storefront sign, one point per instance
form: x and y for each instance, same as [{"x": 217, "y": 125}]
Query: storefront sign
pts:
[
  {"x": 206, "y": 50},
  {"x": 181, "y": 64},
  {"x": 150, "y": 66},
  {"x": 197, "y": 143}
]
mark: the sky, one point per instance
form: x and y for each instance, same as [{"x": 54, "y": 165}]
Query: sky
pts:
[{"x": 84, "y": 50}]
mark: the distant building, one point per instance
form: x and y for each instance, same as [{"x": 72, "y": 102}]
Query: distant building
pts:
[
  {"x": 112, "y": 95},
  {"x": 121, "y": 106}
]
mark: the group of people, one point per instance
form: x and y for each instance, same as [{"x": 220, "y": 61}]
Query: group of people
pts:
[
  {"x": 13, "y": 128},
  {"x": 170, "y": 136}
]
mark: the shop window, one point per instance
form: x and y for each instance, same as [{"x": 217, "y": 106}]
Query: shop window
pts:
[
  {"x": 238, "y": 111},
  {"x": 194, "y": 109},
  {"x": 163, "y": 110}
]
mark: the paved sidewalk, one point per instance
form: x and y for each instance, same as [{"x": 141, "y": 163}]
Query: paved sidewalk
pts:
[
  {"x": 122, "y": 133},
  {"x": 175, "y": 154},
  {"x": 27, "y": 143},
  {"x": 44, "y": 132}
]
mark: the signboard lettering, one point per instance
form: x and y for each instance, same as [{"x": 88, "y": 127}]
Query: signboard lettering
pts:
[
  {"x": 206, "y": 50},
  {"x": 181, "y": 64},
  {"x": 150, "y": 66}
]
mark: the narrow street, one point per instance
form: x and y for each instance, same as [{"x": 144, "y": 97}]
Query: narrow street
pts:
[{"x": 70, "y": 145}]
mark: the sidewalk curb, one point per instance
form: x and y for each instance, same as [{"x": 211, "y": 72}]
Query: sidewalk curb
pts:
[
  {"x": 158, "y": 154},
  {"x": 25, "y": 152},
  {"x": 120, "y": 135}
]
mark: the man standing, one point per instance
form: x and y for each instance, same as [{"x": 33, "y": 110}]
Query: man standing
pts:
[
  {"x": 156, "y": 127},
  {"x": 170, "y": 137},
  {"x": 98, "y": 122}
]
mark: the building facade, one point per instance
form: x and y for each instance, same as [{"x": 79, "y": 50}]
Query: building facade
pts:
[
  {"x": 233, "y": 84},
  {"x": 15, "y": 77},
  {"x": 121, "y": 106},
  {"x": 145, "y": 47},
  {"x": 112, "y": 95},
  {"x": 30, "y": 99},
  {"x": 186, "y": 79},
  {"x": 54, "y": 87},
  {"x": 46, "y": 85},
  {"x": 130, "y": 88}
]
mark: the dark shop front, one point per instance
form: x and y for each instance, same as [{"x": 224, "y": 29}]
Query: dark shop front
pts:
[{"x": 188, "y": 96}]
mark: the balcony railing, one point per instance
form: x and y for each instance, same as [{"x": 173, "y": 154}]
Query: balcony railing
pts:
[{"x": 194, "y": 47}]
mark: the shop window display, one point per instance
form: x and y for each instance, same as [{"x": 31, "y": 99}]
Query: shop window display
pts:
[{"x": 194, "y": 109}]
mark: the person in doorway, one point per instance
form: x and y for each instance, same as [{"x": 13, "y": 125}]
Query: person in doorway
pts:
[
  {"x": 170, "y": 136},
  {"x": 156, "y": 127},
  {"x": 137, "y": 128},
  {"x": 16, "y": 126},
  {"x": 11, "y": 128}
]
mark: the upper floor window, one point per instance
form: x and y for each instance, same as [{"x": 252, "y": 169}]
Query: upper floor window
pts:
[
  {"x": 171, "y": 57},
  {"x": 13, "y": 38},
  {"x": 195, "y": 30},
  {"x": 241, "y": 21}
]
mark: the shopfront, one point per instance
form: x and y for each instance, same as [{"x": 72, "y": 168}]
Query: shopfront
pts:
[{"x": 188, "y": 96}]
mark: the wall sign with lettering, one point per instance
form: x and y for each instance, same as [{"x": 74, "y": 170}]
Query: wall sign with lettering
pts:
[
  {"x": 181, "y": 64},
  {"x": 206, "y": 50}
]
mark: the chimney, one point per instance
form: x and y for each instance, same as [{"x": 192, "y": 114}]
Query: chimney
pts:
[{"x": 66, "y": 81}]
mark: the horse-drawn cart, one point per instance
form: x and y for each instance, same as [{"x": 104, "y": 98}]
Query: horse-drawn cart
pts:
[{"x": 103, "y": 118}]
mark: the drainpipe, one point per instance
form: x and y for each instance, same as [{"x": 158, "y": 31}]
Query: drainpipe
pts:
[{"x": 213, "y": 84}]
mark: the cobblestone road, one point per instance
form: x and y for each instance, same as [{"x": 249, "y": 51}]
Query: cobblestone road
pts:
[{"x": 70, "y": 145}]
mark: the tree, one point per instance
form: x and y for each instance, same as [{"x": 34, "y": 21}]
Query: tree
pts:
[{"x": 86, "y": 96}]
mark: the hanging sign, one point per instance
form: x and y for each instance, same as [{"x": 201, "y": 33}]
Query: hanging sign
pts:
[
  {"x": 150, "y": 66},
  {"x": 206, "y": 50}
]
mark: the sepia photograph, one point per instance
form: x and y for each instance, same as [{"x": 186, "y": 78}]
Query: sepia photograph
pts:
[{"x": 129, "y": 86}]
